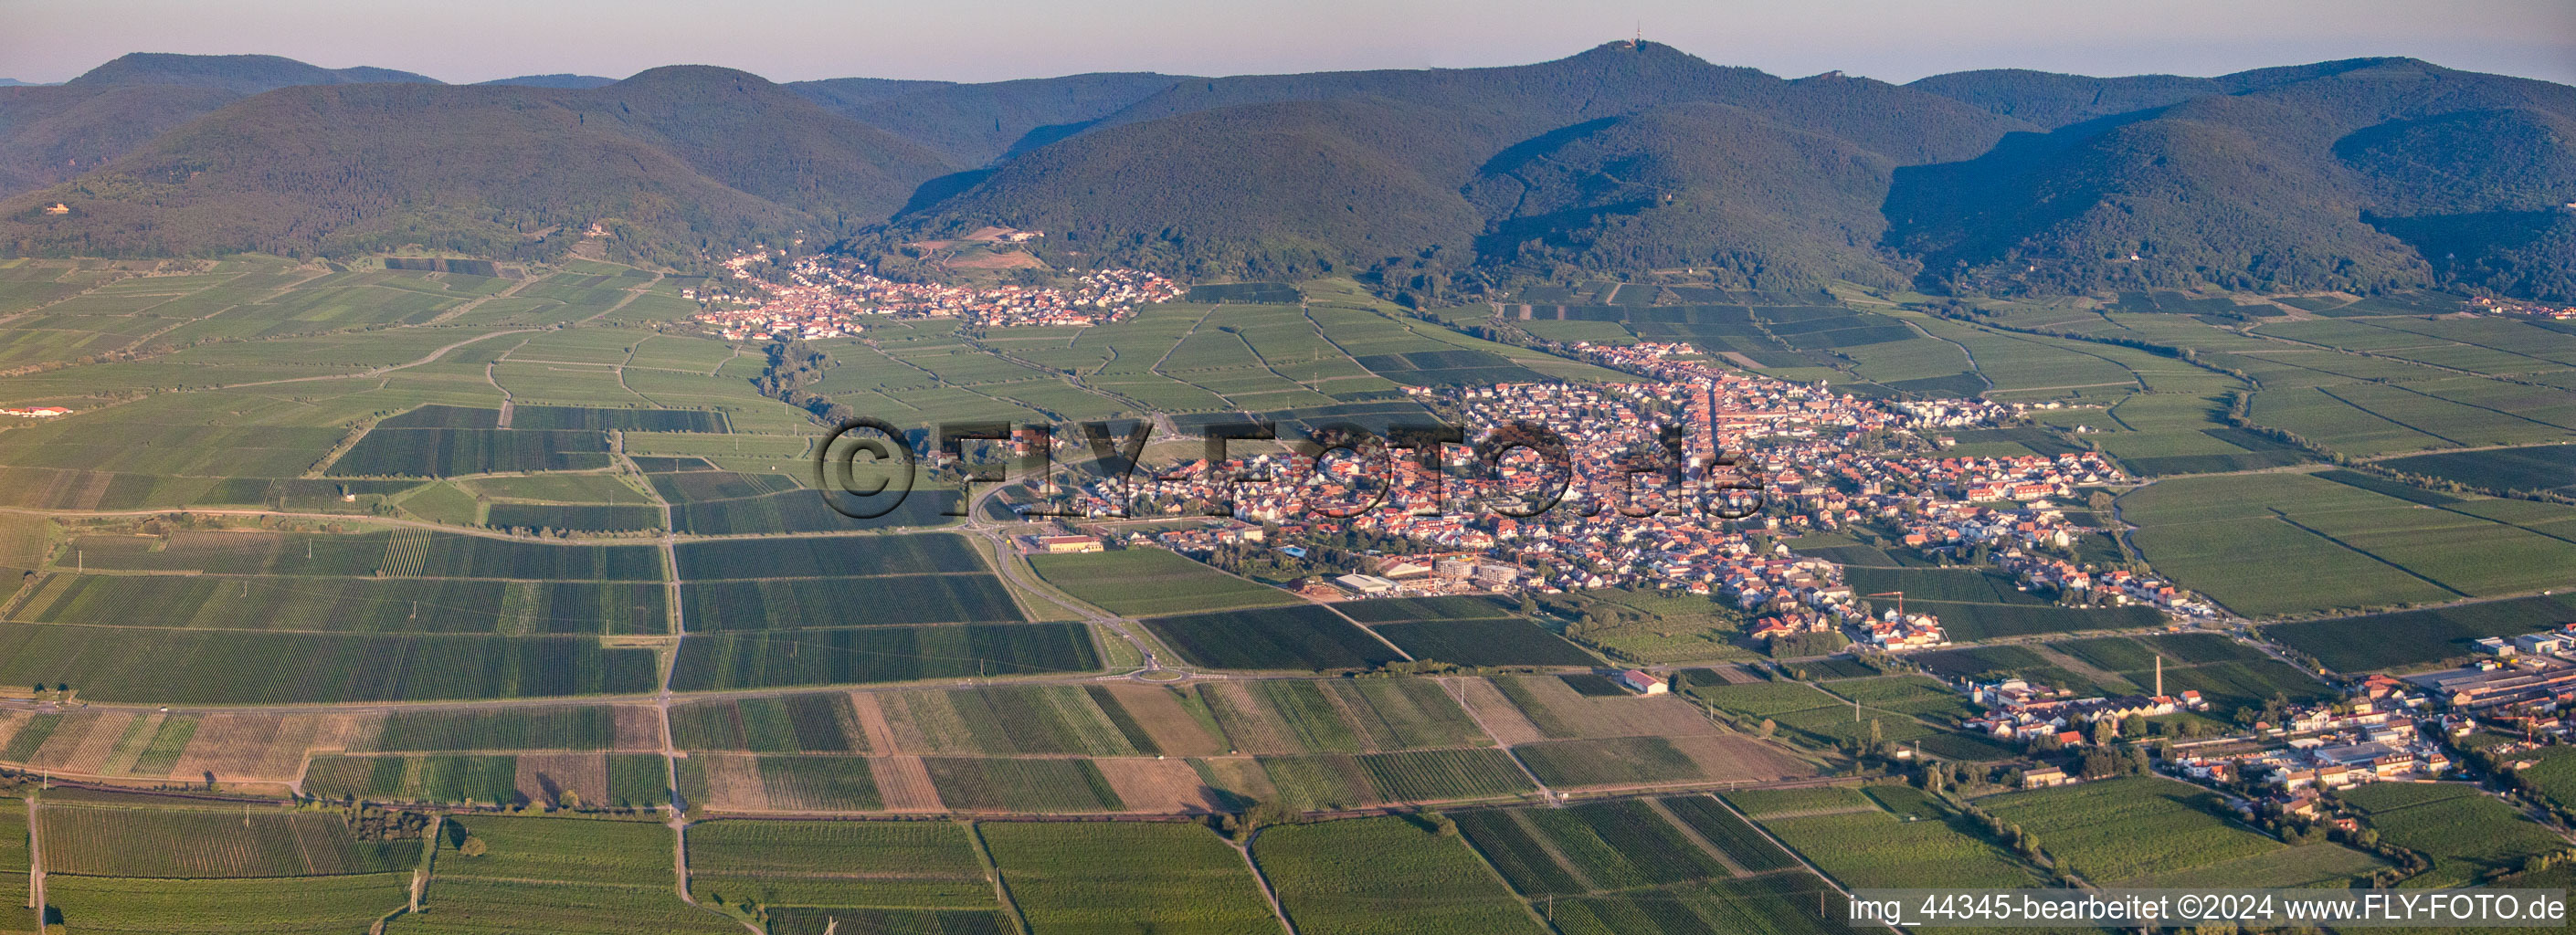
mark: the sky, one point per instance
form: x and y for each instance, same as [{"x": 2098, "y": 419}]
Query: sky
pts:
[{"x": 989, "y": 40}]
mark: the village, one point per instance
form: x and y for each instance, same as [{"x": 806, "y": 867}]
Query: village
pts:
[
  {"x": 1796, "y": 460},
  {"x": 826, "y": 299},
  {"x": 1806, "y": 461}
]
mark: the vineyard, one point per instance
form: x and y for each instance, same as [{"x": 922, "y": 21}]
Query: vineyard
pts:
[
  {"x": 356, "y": 604},
  {"x": 1177, "y": 878},
  {"x": 1370, "y": 875},
  {"x": 926, "y": 865},
  {"x": 1876, "y": 849},
  {"x": 588, "y": 727},
  {"x": 176, "y": 843},
  {"x": 1444, "y": 775},
  {"x": 1615, "y": 761},
  {"x": 288, "y": 906},
  {"x": 1302, "y": 636},
  {"x": 243, "y": 667},
  {"x": 818, "y": 783},
  {"x": 1022, "y": 785},
  {"x": 459, "y": 452},
  {"x": 2096, "y": 826},
  {"x": 828, "y": 557},
  {"x": 1149, "y": 582},
  {"x": 877, "y": 654},
  {"x": 801, "y": 603},
  {"x": 1722, "y": 827},
  {"x": 1488, "y": 642},
  {"x": 792, "y": 724},
  {"x": 2465, "y": 832}
]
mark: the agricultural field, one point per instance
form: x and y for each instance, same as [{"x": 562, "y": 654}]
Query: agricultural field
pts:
[
  {"x": 2418, "y": 638},
  {"x": 1486, "y": 642},
  {"x": 408, "y": 553},
  {"x": 1152, "y": 582},
  {"x": 828, "y": 557},
  {"x": 1444, "y": 775},
  {"x": 458, "y": 452},
  {"x": 288, "y": 905},
  {"x": 879, "y": 864},
  {"x": 139, "y": 837},
  {"x": 2468, "y": 834},
  {"x": 1335, "y": 715},
  {"x": 625, "y": 780},
  {"x": 427, "y": 606},
  {"x": 881, "y": 601},
  {"x": 1371, "y": 875},
  {"x": 1304, "y": 636},
  {"x": 1596, "y": 846},
  {"x": 249, "y": 667},
  {"x": 1776, "y": 904},
  {"x": 1022, "y": 785},
  {"x": 1013, "y": 719},
  {"x": 2536, "y": 468},
  {"x": 1742, "y": 844},
  {"x": 1871, "y": 848},
  {"x": 1766, "y": 804},
  {"x": 1178, "y": 878},
  {"x": 2099, "y": 827},
  {"x": 823, "y": 723},
  {"x": 848, "y": 656},
  {"x": 2335, "y": 546},
  {"x": 566, "y": 875}
]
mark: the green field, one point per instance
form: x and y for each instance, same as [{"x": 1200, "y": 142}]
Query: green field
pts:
[
  {"x": 136, "y": 839},
  {"x": 878, "y": 864},
  {"x": 1875, "y": 849},
  {"x": 242, "y": 667},
  {"x": 2115, "y": 830},
  {"x": 1384, "y": 875},
  {"x": 2336, "y": 546},
  {"x": 297, "y": 906},
  {"x": 1301, "y": 636},
  {"x": 2413, "y": 638},
  {"x": 1177, "y": 878},
  {"x": 1151, "y": 582},
  {"x": 790, "y": 724},
  {"x": 2467, "y": 833},
  {"x": 556, "y": 875},
  {"x": 783, "y": 659}
]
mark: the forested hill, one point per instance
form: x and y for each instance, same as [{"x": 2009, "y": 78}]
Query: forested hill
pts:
[
  {"x": 240, "y": 74},
  {"x": 673, "y": 160},
  {"x": 1287, "y": 175},
  {"x": 53, "y": 132},
  {"x": 2360, "y": 174},
  {"x": 2355, "y": 174}
]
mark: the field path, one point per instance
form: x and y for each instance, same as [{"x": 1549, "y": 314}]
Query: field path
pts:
[
  {"x": 35, "y": 864},
  {"x": 388, "y": 368},
  {"x": 1548, "y": 846},
  {"x": 1262, "y": 880},
  {"x": 1018, "y": 576},
  {"x": 509, "y": 400},
  {"x": 1695, "y": 838},
  {"x": 1464, "y": 685}
]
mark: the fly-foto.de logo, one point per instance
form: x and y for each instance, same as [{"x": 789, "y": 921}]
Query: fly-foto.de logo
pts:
[{"x": 867, "y": 468}]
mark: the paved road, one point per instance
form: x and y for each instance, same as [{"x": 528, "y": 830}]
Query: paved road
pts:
[{"x": 1016, "y": 573}]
